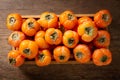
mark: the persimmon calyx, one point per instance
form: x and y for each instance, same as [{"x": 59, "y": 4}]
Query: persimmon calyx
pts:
[
  {"x": 103, "y": 58},
  {"x": 102, "y": 39},
  {"x": 12, "y": 61},
  {"x": 105, "y": 17},
  {"x": 54, "y": 36},
  {"x": 48, "y": 17},
  {"x": 27, "y": 51},
  {"x": 70, "y": 17},
  {"x": 79, "y": 55},
  {"x": 61, "y": 57},
  {"x": 41, "y": 56},
  {"x": 31, "y": 25},
  {"x": 71, "y": 41},
  {"x": 89, "y": 31},
  {"x": 12, "y": 20},
  {"x": 15, "y": 36}
]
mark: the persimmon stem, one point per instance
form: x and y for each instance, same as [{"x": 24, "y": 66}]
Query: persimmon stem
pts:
[
  {"x": 70, "y": 16},
  {"x": 41, "y": 56},
  {"x": 79, "y": 54},
  {"x": 54, "y": 35},
  {"x": 104, "y": 58},
  {"x": 61, "y": 57},
  {"x": 89, "y": 31},
  {"x": 48, "y": 17},
  {"x": 102, "y": 39},
  {"x": 12, "y": 61},
  {"x": 30, "y": 25},
  {"x": 70, "y": 41},
  {"x": 15, "y": 36},
  {"x": 12, "y": 20},
  {"x": 27, "y": 51},
  {"x": 105, "y": 17}
]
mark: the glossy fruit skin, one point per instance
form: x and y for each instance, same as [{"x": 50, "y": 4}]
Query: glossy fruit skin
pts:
[
  {"x": 15, "y": 58},
  {"x": 87, "y": 31},
  {"x": 43, "y": 58},
  {"x": 68, "y": 19},
  {"x": 102, "y": 40},
  {"x": 48, "y": 20},
  {"x": 28, "y": 49},
  {"x": 102, "y": 57},
  {"x": 53, "y": 36},
  {"x": 82, "y": 53},
  {"x": 40, "y": 40},
  {"x": 15, "y": 38},
  {"x": 70, "y": 39},
  {"x": 102, "y": 18},
  {"x": 14, "y": 21},
  {"x": 61, "y": 54},
  {"x": 84, "y": 19},
  {"x": 30, "y": 27}
]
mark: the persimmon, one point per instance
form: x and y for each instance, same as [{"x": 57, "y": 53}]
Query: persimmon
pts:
[
  {"x": 82, "y": 53},
  {"x": 68, "y": 19},
  {"x": 30, "y": 27},
  {"x": 70, "y": 39},
  {"x": 43, "y": 58},
  {"x": 15, "y": 38},
  {"x": 102, "y": 18},
  {"x": 14, "y": 21},
  {"x": 102, "y": 40},
  {"x": 53, "y": 36},
  {"x": 15, "y": 58},
  {"x": 48, "y": 20},
  {"x": 28, "y": 49},
  {"x": 40, "y": 40},
  {"x": 87, "y": 31},
  {"x": 102, "y": 57},
  {"x": 61, "y": 54},
  {"x": 84, "y": 19}
]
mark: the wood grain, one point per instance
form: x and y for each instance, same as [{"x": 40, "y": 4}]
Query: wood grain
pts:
[{"x": 62, "y": 71}]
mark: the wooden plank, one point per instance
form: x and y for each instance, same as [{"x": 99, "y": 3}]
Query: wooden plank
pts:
[{"x": 38, "y": 16}]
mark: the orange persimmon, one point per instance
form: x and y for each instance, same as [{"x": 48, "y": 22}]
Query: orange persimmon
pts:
[
  {"x": 40, "y": 40},
  {"x": 102, "y": 18},
  {"x": 43, "y": 58},
  {"x": 30, "y": 26},
  {"x": 15, "y": 38},
  {"x": 28, "y": 49},
  {"x": 48, "y": 20},
  {"x": 87, "y": 31},
  {"x": 102, "y": 57},
  {"x": 61, "y": 54},
  {"x": 82, "y": 53},
  {"x": 102, "y": 40},
  {"x": 53, "y": 36},
  {"x": 14, "y": 21},
  {"x": 15, "y": 58},
  {"x": 68, "y": 19},
  {"x": 70, "y": 39}
]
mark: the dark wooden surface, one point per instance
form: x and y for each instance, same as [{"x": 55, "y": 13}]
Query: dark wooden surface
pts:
[{"x": 60, "y": 72}]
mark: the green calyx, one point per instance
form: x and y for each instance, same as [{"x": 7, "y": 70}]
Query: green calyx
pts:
[
  {"x": 54, "y": 36},
  {"x": 61, "y": 57},
  {"x": 27, "y": 51},
  {"x": 30, "y": 25},
  {"x": 102, "y": 39},
  {"x": 89, "y": 31},
  {"x": 104, "y": 58},
  {"x": 41, "y": 56},
  {"x": 79, "y": 54},
  {"x": 70, "y": 16},
  {"x": 12, "y": 20},
  {"x": 12, "y": 61},
  {"x": 15, "y": 36},
  {"x": 105, "y": 17},
  {"x": 48, "y": 17},
  {"x": 71, "y": 41}
]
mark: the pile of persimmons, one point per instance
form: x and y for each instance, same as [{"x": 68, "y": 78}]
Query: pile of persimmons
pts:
[{"x": 58, "y": 37}]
